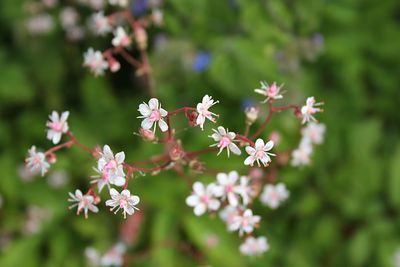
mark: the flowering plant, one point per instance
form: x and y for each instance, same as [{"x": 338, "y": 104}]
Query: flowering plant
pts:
[{"x": 233, "y": 192}]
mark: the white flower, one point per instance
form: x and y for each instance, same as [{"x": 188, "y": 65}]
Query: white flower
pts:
[
  {"x": 309, "y": 109},
  {"x": 314, "y": 132},
  {"x": 153, "y": 113},
  {"x": 120, "y": 38},
  {"x": 100, "y": 23},
  {"x": 202, "y": 108},
  {"x": 114, "y": 256},
  {"x": 228, "y": 213},
  {"x": 225, "y": 140},
  {"x": 254, "y": 246},
  {"x": 94, "y": 60},
  {"x": 274, "y": 195},
  {"x": 122, "y": 3},
  {"x": 202, "y": 198},
  {"x": 110, "y": 169},
  {"x": 57, "y": 126},
  {"x": 227, "y": 188},
  {"x": 244, "y": 223},
  {"x": 301, "y": 155},
  {"x": 251, "y": 114},
  {"x": 84, "y": 202},
  {"x": 40, "y": 24},
  {"x": 245, "y": 190},
  {"x": 68, "y": 17},
  {"x": 259, "y": 153},
  {"x": 271, "y": 92},
  {"x": 124, "y": 201},
  {"x": 36, "y": 161}
]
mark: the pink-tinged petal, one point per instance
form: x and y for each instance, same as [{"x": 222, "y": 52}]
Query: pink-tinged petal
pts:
[
  {"x": 64, "y": 116},
  {"x": 310, "y": 101},
  {"x": 231, "y": 135},
  {"x": 100, "y": 185},
  {"x": 233, "y": 176},
  {"x": 235, "y": 149},
  {"x": 163, "y": 112},
  {"x": 120, "y": 157},
  {"x": 144, "y": 109},
  {"x": 54, "y": 116},
  {"x": 192, "y": 200},
  {"x": 147, "y": 124},
  {"x": 163, "y": 125},
  {"x": 153, "y": 103},
  {"x": 198, "y": 188},
  {"x": 78, "y": 193},
  {"x": 200, "y": 209},
  {"x": 259, "y": 144},
  {"x": 213, "y": 204},
  {"x": 218, "y": 191},
  {"x": 250, "y": 150},
  {"x": 93, "y": 208},
  {"x": 249, "y": 160},
  {"x": 200, "y": 120},
  {"x": 248, "y": 213},
  {"x": 110, "y": 203},
  {"x": 269, "y": 145}
]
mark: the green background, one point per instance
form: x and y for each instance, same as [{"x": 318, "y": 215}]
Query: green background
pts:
[{"x": 343, "y": 210}]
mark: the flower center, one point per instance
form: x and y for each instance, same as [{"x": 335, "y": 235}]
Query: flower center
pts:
[
  {"x": 155, "y": 115},
  {"x": 56, "y": 126},
  {"x": 123, "y": 203},
  {"x": 229, "y": 188},
  {"x": 224, "y": 142},
  {"x": 260, "y": 154},
  {"x": 111, "y": 164},
  {"x": 205, "y": 199}
]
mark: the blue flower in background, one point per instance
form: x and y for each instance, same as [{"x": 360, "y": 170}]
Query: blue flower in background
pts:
[
  {"x": 139, "y": 7},
  {"x": 201, "y": 61},
  {"x": 247, "y": 103}
]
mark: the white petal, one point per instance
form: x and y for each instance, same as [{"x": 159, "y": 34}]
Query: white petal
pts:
[
  {"x": 147, "y": 124},
  {"x": 269, "y": 145},
  {"x": 163, "y": 125},
  {"x": 153, "y": 103},
  {"x": 120, "y": 157},
  {"x": 192, "y": 200},
  {"x": 118, "y": 181},
  {"x": 56, "y": 137},
  {"x": 198, "y": 188},
  {"x": 250, "y": 150},
  {"x": 249, "y": 160},
  {"x": 200, "y": 209},
  {"x": 64, "y": 116},
  {"x": 163, "y": 112},
  {"x": 135, "y": 200},
  {"x": 222, "y": 178},
  {"x": 259, "y": 144},
  {"x": 144, "y": 109},
  {"x": 213, "y": 204},
  {"x": 113, "y": 193},
  {"x": 235, "y": 149}
]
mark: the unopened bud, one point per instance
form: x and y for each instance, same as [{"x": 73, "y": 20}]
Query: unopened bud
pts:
[
  {"x": 147, "y": 135},
  {"x": 176, "y": 152},
  {"x": 192, "y": 118},
  {"x": 97, "y": 152},
  {"x": 275, "y": 137},
  {"x": 114, "y": 65},
  {"x": 251, "y": 114},
  {"x": 196, "y": 165},
  {"x": 52, "y": 158},
  {"x": 141, "y": 37}
]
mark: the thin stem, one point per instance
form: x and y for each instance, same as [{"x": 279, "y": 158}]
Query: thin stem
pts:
[
  {"x": 244, "y": 139},
  {"x": 180, "y": 110},
  {"x": 131, "y": 60}
]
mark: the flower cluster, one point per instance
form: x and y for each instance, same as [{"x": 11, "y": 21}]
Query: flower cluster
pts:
[{"x": 231, "y": 194}]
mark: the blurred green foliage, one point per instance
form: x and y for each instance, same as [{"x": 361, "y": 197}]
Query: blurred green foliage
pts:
[{"x": 342, "y": 210}]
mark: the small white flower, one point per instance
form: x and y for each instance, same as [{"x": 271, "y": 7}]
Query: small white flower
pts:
[
  {"x": 68, "y": 17},
  {"x": 124, "y": 201},
  {"x": 95, "y": 61},
  {"x": 245, "y": 222},
  {"x": 301, "y": 155},
  {"x": 259, "y": 153},
  {"x": 227, "y": 187},
  {"x": 274, "y": 195},
  {"x": 309, "y": 109},
  {"x": 57, "y": 126},
  {"x": 246, "y": 191},
  {"x": 254, "y": 246},
  {"x": 120, "y": 38},
  {"x": 152, "y": 113},
  {"x": 84, "y": 202},
  {"x": 40, "y": 24},
  {"x": 314, "y": 132},
  {"x": 228, "y": 214},
  {"x": 251, "y": 114},
  {"x": 121, "y": 3},
  {"x": 225, "y": 140},
  {"x": 202, "y": 108},
  {"x": 36, "y": 161},
  {"x": 202, "y": 198},
  {"x": 100, "y": 24},
  {"x": 271, "y": 92},
  {"x": 114, "y": 256},
  {"x": 110, "y": 169}
]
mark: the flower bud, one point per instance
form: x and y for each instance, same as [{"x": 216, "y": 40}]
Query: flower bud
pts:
[
  {"x": 192, "y": 118},
  {"x": 196, "y": 166},
  {"x": 141, "y": 37},
  {"x": 114, "y": 65},
  {"x": 176, "y": 152},
  {"x": 147, "y": 135},
  {"x": 97, "y": 152},
  {"x": 275, "y": 137},
  {"x": 251, "y": 114},
  {"x": 52, "y": 158}
]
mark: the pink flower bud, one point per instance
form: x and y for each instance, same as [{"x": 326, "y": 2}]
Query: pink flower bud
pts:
[
  {"x": 176, "y": 152},
  {"x": 114, "y": 65},
  {"x": 141, "y": 37},
  {"x": 192, "y": 118},
  {"x": 275, "y": 137},
  {"x": 52, "y": 158},
  {"x": 147, "y": 135},
  {"x": 251, "y": 114}
]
